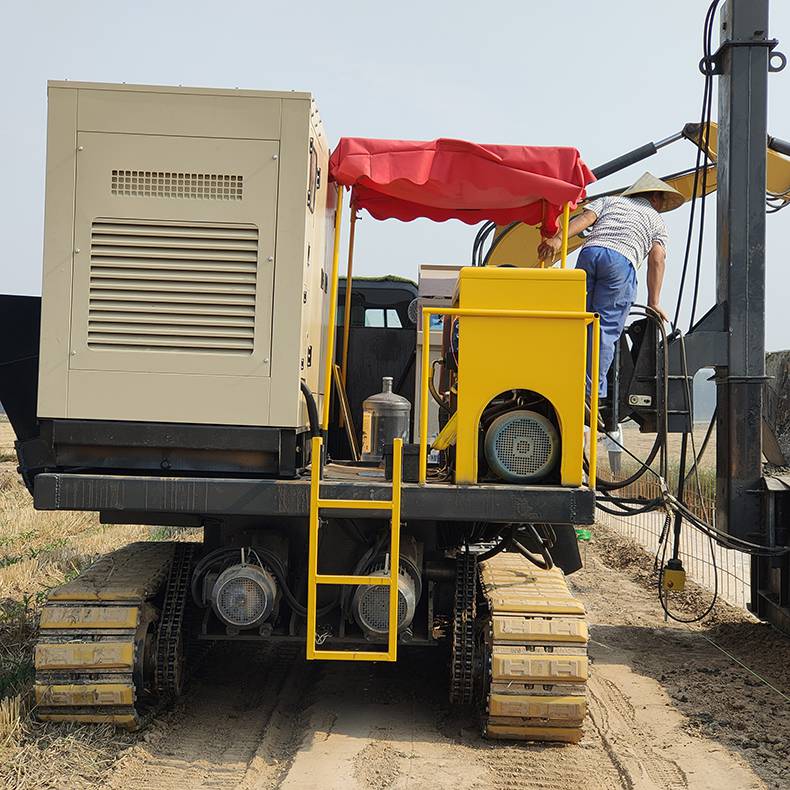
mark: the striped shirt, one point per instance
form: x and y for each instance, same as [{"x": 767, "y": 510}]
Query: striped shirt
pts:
[{"x": 628, "y": 225}]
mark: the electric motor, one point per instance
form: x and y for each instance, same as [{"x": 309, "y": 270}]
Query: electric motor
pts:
[
  {"x": 243, "y": 596},
  {"x": 522, "y": 446},
  {"x": 370, "y": 603}
]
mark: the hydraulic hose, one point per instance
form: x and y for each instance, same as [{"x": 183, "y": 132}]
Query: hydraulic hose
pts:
[{"x": 312, "y": 409}]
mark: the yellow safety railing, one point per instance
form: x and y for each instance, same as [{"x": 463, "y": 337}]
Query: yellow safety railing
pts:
[
  {"x": 314, "y": 578},
  {"x": 427, "y": 312}
]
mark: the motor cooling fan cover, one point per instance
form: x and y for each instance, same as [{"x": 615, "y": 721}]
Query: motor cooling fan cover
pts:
[
  {"x": 522, "y": 446},
  {"x": 243, "y": 596}
]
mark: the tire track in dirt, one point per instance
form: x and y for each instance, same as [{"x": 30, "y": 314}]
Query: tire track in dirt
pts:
[
  {"x": 627, "y": 744},
  {"x": 238, "y": 717}
]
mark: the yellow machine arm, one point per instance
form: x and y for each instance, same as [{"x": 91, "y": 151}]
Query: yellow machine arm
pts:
[{"x": 517, "y": 244}]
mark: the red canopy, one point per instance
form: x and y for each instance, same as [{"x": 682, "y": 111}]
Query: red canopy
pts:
[{"x": 454, "y": 179}]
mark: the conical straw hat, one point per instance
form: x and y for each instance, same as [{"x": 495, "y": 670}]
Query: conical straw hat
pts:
[{"x": 649, "y": 183}]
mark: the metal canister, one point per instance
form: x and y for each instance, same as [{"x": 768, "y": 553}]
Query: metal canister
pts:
[{"x": 385, "y": 416}]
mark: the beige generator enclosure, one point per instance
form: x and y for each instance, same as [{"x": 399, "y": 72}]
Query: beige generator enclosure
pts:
[{"x": 184, "y": 255}]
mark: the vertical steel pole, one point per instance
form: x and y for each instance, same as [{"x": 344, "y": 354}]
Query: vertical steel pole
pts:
[{"x": 743, "y": 104}]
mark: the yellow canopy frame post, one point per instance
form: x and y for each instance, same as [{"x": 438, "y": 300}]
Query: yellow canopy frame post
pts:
[
  {"x": 427, "y": 312},
  {"x": 317, "y": 504},
  {"x": 566, "y": 220},
  {"x": 329, "y": 356},
  {"x": 347, "y": 305}
]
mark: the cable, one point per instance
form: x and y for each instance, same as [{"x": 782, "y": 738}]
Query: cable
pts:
[
  {"x": 649, "y": 506},
  {"x": 707, "y": 44},
  {"x": 480, "y": 239},
  {"x": 703, "y": 145},
  {"x": 312, "y": 409},
  {"x": 644, "y": 466},
  {"x": 660, "y": 582},
  {"x": 509, "y": 542},
  {"x": 704, "y": 446},
  {"x": 432, "y": 386}
]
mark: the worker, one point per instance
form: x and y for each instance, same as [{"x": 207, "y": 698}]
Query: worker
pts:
[{"x": 624, "y": 230}]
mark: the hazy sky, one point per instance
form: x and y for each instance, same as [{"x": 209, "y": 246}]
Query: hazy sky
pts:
[{"x": 604, "y": 77}]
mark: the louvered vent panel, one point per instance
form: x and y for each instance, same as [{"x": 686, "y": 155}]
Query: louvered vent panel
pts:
[
  {"x": 169, "y": 287},
  {"x": 195, "y": 186}
]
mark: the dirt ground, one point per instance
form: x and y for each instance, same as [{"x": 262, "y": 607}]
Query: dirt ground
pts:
[{"x": 670, "y": 707}]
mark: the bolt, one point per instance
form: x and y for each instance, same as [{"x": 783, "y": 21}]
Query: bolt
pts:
[
  {"x": 266, "y": 360},
  {"x": 274, "y": 156},
  {"x": 80, "y": 147},
  {"x": 77, "y": 251},
  {"x": 270, "y": 258}
]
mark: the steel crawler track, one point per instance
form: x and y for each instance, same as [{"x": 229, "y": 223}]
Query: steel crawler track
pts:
[
  {"x": 95, "y": 639},
  {"x": 535, "y": 653}
]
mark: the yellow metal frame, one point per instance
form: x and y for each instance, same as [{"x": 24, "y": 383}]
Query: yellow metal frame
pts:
[
  {"x": 566, "y": 219},
  {"x": 588, "y": 318},
  {"x": 317, "y": 504},
  {"x": 566, "y": 223},
  {"x": 329, "y": 354},
  {"x": 349, "y": 282}
]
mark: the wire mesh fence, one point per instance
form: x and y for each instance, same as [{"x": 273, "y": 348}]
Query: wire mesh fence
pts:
[{"x": 707, "y": 563}]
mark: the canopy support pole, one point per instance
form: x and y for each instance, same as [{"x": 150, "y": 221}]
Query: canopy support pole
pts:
[
  {"x": 329, "y": 354},
  {"x": 566, "y": 219},
  {"x": 347, "y": 306}
]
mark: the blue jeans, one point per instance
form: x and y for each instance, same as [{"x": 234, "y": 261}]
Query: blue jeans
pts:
[{"x": 611, "y": 290}]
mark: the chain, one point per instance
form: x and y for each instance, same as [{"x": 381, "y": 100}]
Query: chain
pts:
[
  {"x": 465, "y": 612},
  {"x": 169, "y": 654}
]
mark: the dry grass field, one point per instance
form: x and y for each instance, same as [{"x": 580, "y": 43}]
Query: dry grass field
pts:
[{"x": 39, "y": 551}]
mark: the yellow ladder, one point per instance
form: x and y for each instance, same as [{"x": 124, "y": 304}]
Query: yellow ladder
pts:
[{"x": 314, "y": 578}]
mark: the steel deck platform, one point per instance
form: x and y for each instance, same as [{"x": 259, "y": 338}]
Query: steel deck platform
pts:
[{"x": 209, "y": 496}]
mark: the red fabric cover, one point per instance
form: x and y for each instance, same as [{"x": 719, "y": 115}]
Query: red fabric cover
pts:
[{"x": 454, "y": 179}]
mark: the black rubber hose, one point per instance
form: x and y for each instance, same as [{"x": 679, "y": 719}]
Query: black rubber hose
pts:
[
  {"x": 614, "y": 485},
  {"x": 780, "y": 146},
  {"x": 312, "y": 409},
  {"x": 621, "y": 162},
  {"x": 546, "y": 564}
]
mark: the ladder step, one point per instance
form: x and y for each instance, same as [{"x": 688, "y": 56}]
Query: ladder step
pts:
[
  {"x": 384, "y": 581},
  {"x": 354, "y": 504}
]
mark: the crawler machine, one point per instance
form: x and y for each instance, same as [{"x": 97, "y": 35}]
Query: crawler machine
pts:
[
  {"x": 180, "y": 371},
  {"x": 185, "y": 363}
]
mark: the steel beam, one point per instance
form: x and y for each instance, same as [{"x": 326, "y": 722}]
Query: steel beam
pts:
[
  {"x": 742, "y": 63},
  {"x": 118, "y": 495}
]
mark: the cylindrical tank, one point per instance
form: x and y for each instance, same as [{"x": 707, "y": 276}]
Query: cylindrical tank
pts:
[{"x": 385, "y": 416}]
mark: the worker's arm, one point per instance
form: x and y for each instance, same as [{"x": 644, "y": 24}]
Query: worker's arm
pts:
[
  {"x": 548, "y": 248},
  {"x": 656, "y": 263}
]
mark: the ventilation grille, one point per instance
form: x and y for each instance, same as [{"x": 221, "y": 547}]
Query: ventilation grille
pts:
[
  {"x": 168, "y": 287},
  {"x": 523, "y": 447},
  {"x": 195, "y": 186}
]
